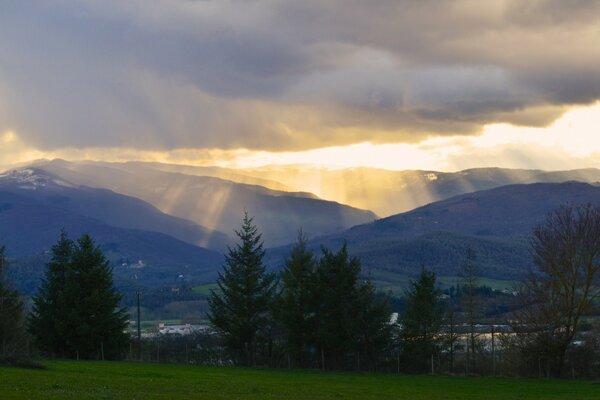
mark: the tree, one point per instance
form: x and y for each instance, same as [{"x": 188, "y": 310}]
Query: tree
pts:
[
  {"x": 350, "y": 317},
  {"x": 336, "y": 300},
  {"x": 295, "y": 302},
  {"x": 47, "y": 320},
  {"x": 451, "y": 336},
  {"x": 241, "y": 309},
  {"x": 79, "y": 285},
  {"x": 11, "y": 314},
  {"x": 563, "y": 287},
  {"x": 420, "y": 324},
  {"x": 374, "y": 329}
]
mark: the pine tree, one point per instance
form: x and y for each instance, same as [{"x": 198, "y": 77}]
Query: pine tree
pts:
[
  {"x": 374, "y": 330},
  {"x": 351, "y": 319},
  {"x": 295, "y": 303},
  {"x": 101, "y": 323},
  {"x": 421, "y": 322},
  {"x": 241, "y": 310},
  {"x": 11, "y": 315},
  {"x": 337, "y": 302},
  {"x": 48, "y": 318},
  {"x": 78, "y": 304}
]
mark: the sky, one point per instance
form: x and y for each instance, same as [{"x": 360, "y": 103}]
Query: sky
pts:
[{"x": 437, "y": 85}]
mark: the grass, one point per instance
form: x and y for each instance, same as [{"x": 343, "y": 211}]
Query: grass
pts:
[
  {"x": 397, "y": 283},
  {"x": 400, "y": 283},
  {"x": 497, "y": 284},
  {"x": 205, "y": 289},
  {"x": 104, "y": 380}
]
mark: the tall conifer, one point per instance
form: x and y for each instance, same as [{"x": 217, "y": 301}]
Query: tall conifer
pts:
[
  {"x": 421, "y": 322},
  {"x": 295, "y": 305},
  {"x": 240, "y": 310},
  {"x": 47, "y": 320},
  {"x": 76, "y": 312},
  {"x": 11, "y": 314}
]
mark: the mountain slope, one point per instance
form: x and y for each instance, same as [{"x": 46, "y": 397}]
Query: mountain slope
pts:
[
  {"x": 495, "y": 223},
  {"x": 43, "y": 188},
  {"x": 216, "y": 203},
  {"x": 391, "y": 192},
  {"x": 140, "y": 257}
]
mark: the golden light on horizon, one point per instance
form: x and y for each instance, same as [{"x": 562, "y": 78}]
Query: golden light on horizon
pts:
[
  {"x": 576, "y": 133},
  {"x": 573, "y": 138}
]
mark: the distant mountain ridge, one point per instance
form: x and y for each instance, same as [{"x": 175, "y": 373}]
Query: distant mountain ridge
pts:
[
  {"x": 41, "y": 187},
  {"x": 216, "y": 203},
  {"x": 35, "y": 206},
  {"x": 496, "y": 223},
  {"x": 391, "y": 192}
]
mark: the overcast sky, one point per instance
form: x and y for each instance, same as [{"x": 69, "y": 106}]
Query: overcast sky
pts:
[{"x": 204, "y": 77}]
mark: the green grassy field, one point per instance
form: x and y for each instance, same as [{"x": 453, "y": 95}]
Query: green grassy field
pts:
[
  {"x": 98, "y": 380},
  {"x": 400, "y": 283},
  {"x": 205, "y": 289}
]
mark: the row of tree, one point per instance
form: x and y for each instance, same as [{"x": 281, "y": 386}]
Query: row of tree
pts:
[
  {"x": 323, "y": 314},
  {"x": 76, "y": 312},
  {"x": 319, "y": 312}
]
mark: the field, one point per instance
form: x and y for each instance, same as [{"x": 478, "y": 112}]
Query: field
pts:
[
  {"x": 98, "y": 380},
  {"x": 397, "y": 284}
]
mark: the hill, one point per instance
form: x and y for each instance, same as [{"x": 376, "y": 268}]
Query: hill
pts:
[
  {"x": 37, "y": 186},
  {"x": 216, "y": 203},
  {"x": 35, "y": 206},
  {"x": 495, "y": 223}
]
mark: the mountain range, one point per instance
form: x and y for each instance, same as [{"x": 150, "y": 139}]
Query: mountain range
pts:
[
  {"x": 495, "y": 223},
  {"x": 161, "y": 223},
  {"x": 216, "y": 203},
  {"x": 140, "y": 241},
  {"x": 391, "y": 192}
]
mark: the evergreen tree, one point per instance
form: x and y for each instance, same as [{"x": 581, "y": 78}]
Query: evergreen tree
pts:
[
  {"x": 101, "y": 323},
  {"x": 78, "y": 304},
  {"x": 47, "y": 322},
  {"x": 351, "y": 319},
  {"x": 421, "y": 322},
  {"x": 374, "y": 330},
  {"x": 295, "y": 303},
  {"x": 11, "y": 315},
  {"x": 241, "y": 310},
  {"x": 336, "y": 298}
]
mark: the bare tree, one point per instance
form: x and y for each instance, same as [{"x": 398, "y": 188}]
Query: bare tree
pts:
[
  {"x": 450, "y": 334},
  {"x": 563, "y": 287}
]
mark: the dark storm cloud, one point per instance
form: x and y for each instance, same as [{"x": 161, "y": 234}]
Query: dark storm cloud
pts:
[{"x": 288, "y": 75}]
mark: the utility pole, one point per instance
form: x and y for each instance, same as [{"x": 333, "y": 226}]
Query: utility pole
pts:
[
  {"x": 432, "y": 369},
  {"x": 139, "y": 331}
]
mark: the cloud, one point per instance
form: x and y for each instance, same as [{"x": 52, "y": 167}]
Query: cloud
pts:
[
  {"x": 570, "y": 142},
  {"x": 282, "y": 75}
]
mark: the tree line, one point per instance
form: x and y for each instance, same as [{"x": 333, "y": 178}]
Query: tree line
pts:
[
  {"x": 319, "y": 312},
  {"x": 76, "y": 312}
]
